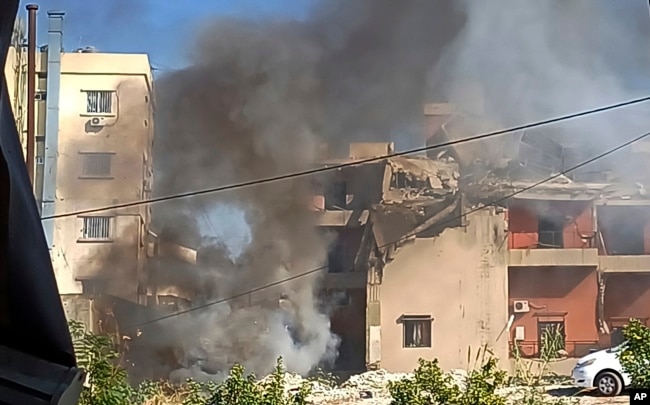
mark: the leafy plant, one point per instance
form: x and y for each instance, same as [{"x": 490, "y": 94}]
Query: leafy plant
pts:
[
  {"x": 536, "y": 372},
  {"x": 430, "y": 385},
  {"x": 106, "y": 383},
  {"x": 552, "y": 342},
  {"x": 635, "y": 354},
  {"x": 241, "y": 389}
]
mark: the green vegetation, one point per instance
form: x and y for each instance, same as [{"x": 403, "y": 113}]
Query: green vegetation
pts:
[
  {"x": 107, "y": 383},
  {"x": 635, "y": 356},
  {"x": 430, "y": 386}
]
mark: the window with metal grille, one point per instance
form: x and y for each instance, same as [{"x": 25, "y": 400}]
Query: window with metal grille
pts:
[
  {"x": 96, "y": 228},
  {"x": 550, "y": 232},
  {"x": 417, "y": 331},
  {"x": 551, "y": 338},
  {"x": 96, "y": 164},
  {"x": 99, "y": 102}
]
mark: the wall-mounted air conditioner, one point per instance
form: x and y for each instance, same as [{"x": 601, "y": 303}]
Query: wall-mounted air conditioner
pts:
[
  {"x": 520, "y": 307},
  {"x": 102, "y": 121}
]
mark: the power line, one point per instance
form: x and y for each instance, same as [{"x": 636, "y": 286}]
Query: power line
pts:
[
  {"x": 354, "y": 163},
  {"x": 493, "y": 203}
]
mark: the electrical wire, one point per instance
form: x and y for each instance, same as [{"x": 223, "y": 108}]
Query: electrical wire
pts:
[
  {"x": 353, "y": 163},
  {"x": 455, "y": 218}
]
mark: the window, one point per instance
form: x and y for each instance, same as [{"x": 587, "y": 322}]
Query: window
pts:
[
  {"x": 550, "y": 231},
  {"x": 335, "y": 297},
  {"x": 99, "y": 102},
  {"x": 336, "y": 196},
  {"x": 417, "y": 331},
  {"x": 336, "y": 257},
  {"x": 96, "y": 228},
  {"x": 551, "y": 338},
  {"x": 96, "y": 165}
]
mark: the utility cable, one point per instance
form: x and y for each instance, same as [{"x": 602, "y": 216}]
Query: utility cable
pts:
[
  {"x": 353, "y": 163},
  {"x": 464, "y": 214}
]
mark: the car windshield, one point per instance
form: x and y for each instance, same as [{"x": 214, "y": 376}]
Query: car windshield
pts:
[{"x": 616, "y": 348}]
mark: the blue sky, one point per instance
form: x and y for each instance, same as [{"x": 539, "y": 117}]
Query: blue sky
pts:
[{"x": 161, "y": 28}]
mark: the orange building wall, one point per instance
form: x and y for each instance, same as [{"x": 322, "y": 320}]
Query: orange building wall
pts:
[
  {"x": 523, "y": 220},
  {"x": 553, "y": 291}
]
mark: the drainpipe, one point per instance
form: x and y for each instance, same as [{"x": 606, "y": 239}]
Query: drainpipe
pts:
[
  {"x": 54, "y": 50},
  {"x": 31, "y": 90}
]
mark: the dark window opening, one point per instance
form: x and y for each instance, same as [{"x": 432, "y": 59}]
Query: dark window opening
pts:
[
  {"x": 335, "y": 297},
  {"x": 622, "y": 230},
  {"x": 336, "y": 196},
  {"x": 552, "y": 339},
  {"x": 417, "y": 331},
  {"x": 550, "y": 232},
  {"x": 336, "y": 258},
  {"x": 617, "y": 337},
  {"x": 626, "y": 238}
]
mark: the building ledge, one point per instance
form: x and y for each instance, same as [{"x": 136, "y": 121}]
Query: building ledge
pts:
[
  {"x": 341, "y": 218},
  {"x": 625, "y": 264},
  {"x": 553, "y": 257},
  {"x": 354, "y": 279}
]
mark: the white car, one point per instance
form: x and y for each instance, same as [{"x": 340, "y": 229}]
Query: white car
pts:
[{"x": 601, "y": 370}]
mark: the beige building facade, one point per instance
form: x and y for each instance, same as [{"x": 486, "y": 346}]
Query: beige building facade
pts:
[
  {"x": 94, "y": 138},
  {"x": 445, "y": 295}
]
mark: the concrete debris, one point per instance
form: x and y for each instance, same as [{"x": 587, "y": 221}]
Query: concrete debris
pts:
[
  {"x": 417, "y": 178},
  {"x": 371, "y": 388}
]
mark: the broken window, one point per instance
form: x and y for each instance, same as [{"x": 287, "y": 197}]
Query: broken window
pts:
[
  {"x": 417, "y": 330},
  {"x": 551, "y": 338},
  {"x": 336, "y": 196},
  {"x": 550, "y": 231},
  {"x": 96, "y": 165},
  {"x": 99, "y": 102},
  {"x": 96, "y": 228}
]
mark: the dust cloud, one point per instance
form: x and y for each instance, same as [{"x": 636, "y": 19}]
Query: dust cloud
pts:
[
  {"x": 259, "y": 97},
  {"x": 258, "y": 100},
  {"x": 535, "y": 60}
]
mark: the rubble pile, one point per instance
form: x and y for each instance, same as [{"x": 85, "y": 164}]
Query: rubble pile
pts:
[{"x": 371, "y": 388}]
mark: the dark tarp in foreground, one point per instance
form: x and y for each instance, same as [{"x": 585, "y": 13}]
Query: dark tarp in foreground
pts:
[{"x": 31, "y": 314}]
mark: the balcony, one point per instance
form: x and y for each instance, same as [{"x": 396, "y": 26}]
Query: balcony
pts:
[
  {"x": 553, "y": 257},
  {"x": 340, "y": 218},
  {"x": 625, "y": 264}
]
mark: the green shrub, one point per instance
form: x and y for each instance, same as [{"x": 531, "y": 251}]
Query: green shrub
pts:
[
  {"x": 107, "y": 384},
  {"x": 430, "y": 385},
  {"x": 636, "y": 353},
  {"x": 241, "y": 389}
]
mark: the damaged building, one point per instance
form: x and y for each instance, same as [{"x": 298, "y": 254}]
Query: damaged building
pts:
[{"x": 431, "y": 266}]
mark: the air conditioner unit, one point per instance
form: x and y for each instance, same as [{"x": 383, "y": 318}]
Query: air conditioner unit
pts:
[
  {"x": 520, "y": 333},
  {"x": 521, "y": 306},
  {"x": 101, "y": 121}
]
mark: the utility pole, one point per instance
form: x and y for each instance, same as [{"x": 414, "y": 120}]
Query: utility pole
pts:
[{"x": 31, "y": 90}]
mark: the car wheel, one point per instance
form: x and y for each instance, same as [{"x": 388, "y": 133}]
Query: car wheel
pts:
[{"x": 608, "y": 384}]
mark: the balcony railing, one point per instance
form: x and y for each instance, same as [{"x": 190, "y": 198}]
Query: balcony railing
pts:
[
  {"x": 550, "y": 239},
  {"x": 575, "y": 348}
]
